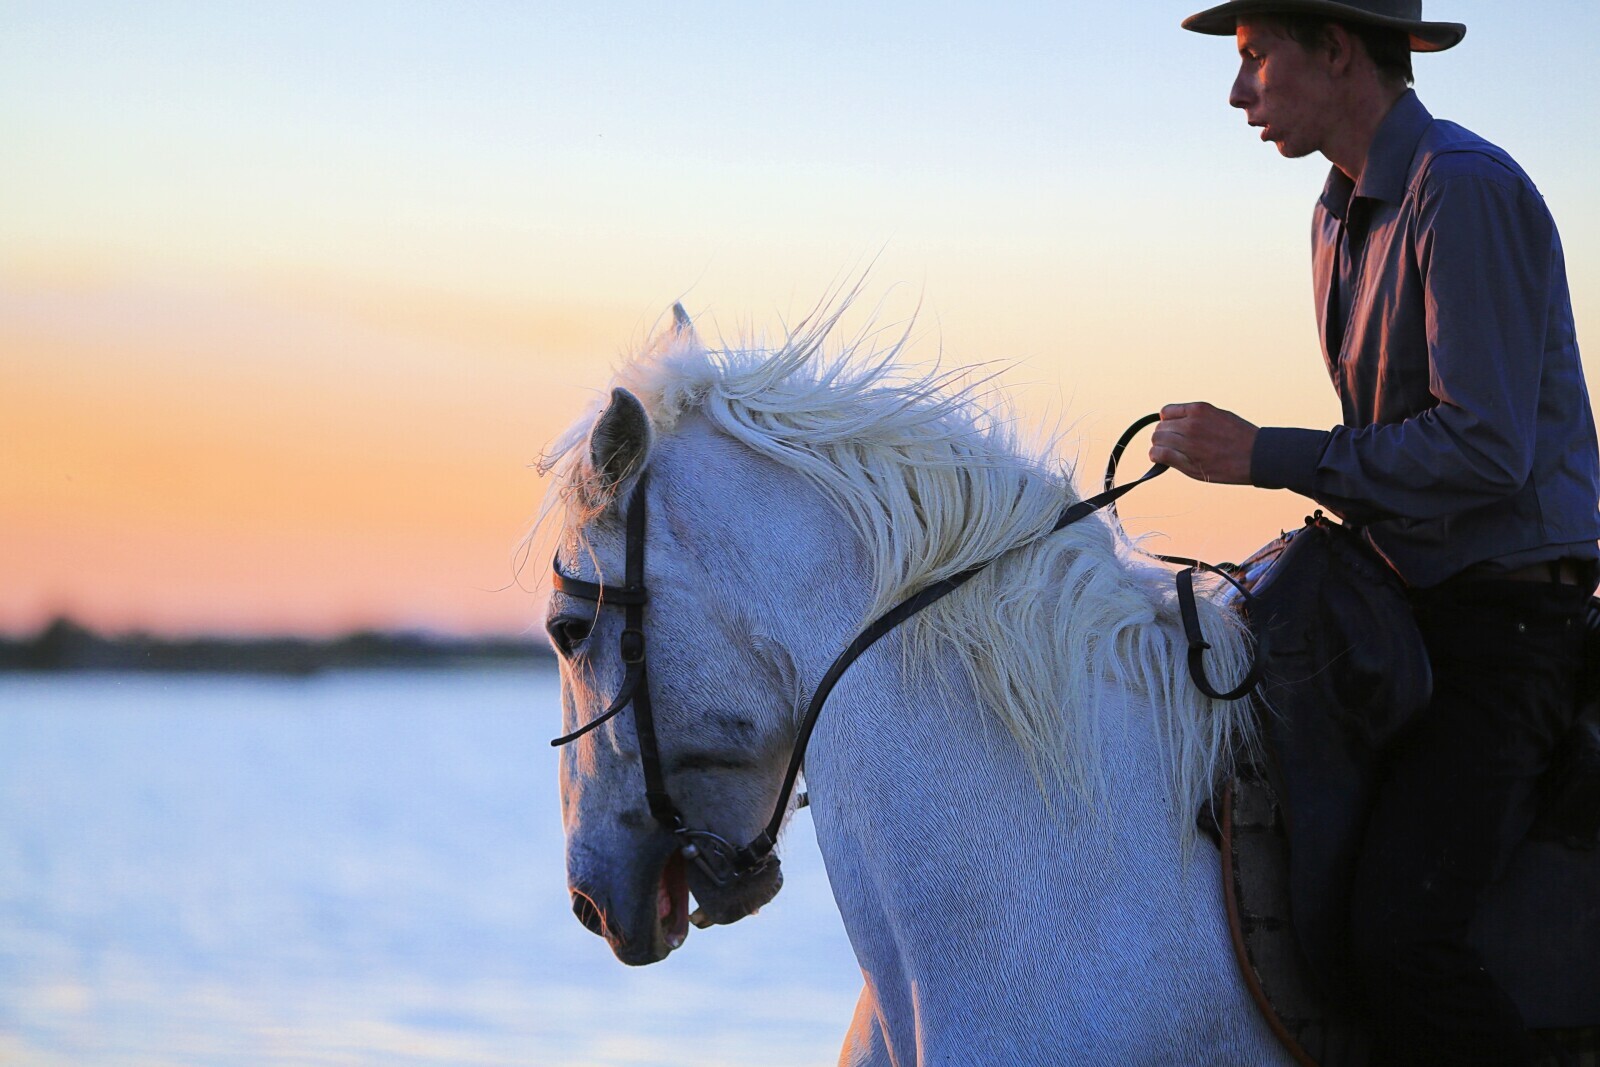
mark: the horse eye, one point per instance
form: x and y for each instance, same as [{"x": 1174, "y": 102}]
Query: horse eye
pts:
[{"x": 568, "y": 631}]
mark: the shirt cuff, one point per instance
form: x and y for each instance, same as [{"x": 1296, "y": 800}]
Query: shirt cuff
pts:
[{"x": 1286, "y": 458}]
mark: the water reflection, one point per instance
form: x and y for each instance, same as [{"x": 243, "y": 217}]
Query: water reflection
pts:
[{"x": 350, "y": 869}]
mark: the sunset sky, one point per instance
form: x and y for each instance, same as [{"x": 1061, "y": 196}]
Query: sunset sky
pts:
[{"x": 292, "y": 295}]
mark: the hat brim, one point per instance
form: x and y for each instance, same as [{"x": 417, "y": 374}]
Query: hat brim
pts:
[{"x": 1222, "y": 20}]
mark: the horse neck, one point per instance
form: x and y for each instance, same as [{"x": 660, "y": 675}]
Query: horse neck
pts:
[
  {"x": 904, "y": 757},
  {"x": 942, "y": 844}
]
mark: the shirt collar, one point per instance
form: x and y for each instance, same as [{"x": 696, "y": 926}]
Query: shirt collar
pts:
[{"x": 1388, "y": 165}]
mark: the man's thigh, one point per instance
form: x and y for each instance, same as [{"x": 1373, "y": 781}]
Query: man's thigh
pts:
[
  {"x": 1460, "y": 785},
  {"x": 1460, "y": 789}
]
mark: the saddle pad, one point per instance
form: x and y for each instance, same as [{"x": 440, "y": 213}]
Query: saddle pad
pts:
[
  {"x": 1255, "y": 885},
  {"x": 1315, "y": 1031}
]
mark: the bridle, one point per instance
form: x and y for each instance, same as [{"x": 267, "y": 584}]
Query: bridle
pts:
[{"x": 718, "y": 859}]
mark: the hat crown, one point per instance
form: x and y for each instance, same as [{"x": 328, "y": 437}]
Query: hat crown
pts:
[{"x": 1394, "y": 9}]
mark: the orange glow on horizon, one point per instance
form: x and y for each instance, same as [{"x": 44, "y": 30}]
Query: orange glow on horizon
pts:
[
  {"x": 316, "y": 459},
  {"x": 210, "y": 492}
]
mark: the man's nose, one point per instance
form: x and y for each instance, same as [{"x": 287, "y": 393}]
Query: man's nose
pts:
[{"x": 1242, "y": 94}]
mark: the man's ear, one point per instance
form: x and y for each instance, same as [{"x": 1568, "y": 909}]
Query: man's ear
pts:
[
  {"x": 618, "y": 444},
  {"x": 1339, "y": 48}
]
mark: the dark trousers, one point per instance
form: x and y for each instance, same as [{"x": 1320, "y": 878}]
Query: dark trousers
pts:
[{"x": 1459, "y": 793}]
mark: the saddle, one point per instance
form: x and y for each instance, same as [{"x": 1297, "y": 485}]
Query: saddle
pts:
[{"x": 1343, "y": 668}]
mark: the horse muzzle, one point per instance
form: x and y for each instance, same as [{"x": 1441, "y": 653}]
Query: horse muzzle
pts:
[{"x": 641, "y": 910}]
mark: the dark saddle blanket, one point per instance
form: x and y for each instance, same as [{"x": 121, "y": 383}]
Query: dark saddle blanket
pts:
[{"x": 1344, "y": 668}]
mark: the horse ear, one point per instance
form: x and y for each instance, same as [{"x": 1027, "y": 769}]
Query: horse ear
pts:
[
  {"x": 681, "y": 325},
  {"x": 619, "y": 442}
]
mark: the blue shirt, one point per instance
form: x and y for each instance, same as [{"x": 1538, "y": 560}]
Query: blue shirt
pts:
[{"x": 1446, "y": 323}]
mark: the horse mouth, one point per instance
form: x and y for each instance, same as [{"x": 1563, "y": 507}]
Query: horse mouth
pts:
[
  {"x": 672, "y": 901},
  {"x": 662, "y": 918}
]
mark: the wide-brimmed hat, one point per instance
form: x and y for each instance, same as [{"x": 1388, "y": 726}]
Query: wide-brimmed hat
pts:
[{"x": 1394, "y": 14}]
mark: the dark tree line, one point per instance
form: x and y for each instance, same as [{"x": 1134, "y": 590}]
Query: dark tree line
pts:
[{"x": 64, "y": 645}]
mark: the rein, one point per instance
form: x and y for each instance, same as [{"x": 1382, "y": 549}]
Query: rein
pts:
[
  {"x": 1187, "y": 608},
  {"x": 721, "y": 861}
]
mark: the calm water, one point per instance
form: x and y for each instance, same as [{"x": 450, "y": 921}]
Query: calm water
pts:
[{"x": 352, "y": 869}]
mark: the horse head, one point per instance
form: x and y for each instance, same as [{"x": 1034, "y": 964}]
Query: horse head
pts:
[{"x": 731, "y": 543}]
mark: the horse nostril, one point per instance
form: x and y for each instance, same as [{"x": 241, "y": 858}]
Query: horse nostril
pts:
[{"x": 588, "y": 914}]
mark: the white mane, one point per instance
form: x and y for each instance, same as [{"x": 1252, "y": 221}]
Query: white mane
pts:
[{"x": 934, "y": 483}]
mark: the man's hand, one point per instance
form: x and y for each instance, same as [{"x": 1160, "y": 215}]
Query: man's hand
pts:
[{"x": 1206, "y": 443}]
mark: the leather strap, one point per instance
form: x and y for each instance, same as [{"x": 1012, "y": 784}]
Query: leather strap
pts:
[
  {"x": 615, "y": 594},
  {"x": 1187, "y": 608},
  {"x": 1198, "y": 646},
  {"x": 631, "y": 597},
  {"x": 886, "y": 622}
]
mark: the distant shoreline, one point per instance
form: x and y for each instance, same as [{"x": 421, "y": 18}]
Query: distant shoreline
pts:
[{"x": 64, "y": 645}]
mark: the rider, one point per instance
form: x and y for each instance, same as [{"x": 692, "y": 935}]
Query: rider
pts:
[{"x": 1468, "y": 457}]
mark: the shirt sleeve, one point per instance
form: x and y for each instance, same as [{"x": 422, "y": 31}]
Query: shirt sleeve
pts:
[{"x": 1484, "y": 243}]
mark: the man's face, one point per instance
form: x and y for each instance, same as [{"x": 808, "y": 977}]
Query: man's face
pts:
[{"x": 1282, "y": 87}]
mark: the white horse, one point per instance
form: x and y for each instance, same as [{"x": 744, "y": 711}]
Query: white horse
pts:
[{"x": 1004, "y": 789}]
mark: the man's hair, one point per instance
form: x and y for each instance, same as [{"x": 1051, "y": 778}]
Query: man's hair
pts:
[{"x": 1390, "y": 49}]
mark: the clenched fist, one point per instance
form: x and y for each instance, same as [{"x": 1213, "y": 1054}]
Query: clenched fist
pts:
[{"x": 1204, "y": 442}]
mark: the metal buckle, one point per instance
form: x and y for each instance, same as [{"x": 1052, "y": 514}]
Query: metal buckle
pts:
[{"x": 718, "y": 860}]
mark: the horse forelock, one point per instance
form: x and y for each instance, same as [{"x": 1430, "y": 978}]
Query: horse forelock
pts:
[{"x": 930, "y": 472}]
